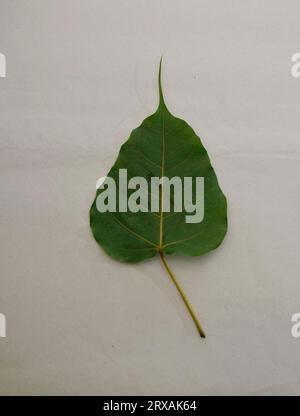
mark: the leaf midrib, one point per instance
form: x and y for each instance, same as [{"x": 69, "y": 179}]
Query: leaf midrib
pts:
[{"x": 161, "y": 220}]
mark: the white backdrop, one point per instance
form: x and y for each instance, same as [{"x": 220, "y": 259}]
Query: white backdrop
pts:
[{"x": 80, "y": 76}]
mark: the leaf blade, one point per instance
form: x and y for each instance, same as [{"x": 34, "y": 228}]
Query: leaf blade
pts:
[{"x": 155, "y": 149}]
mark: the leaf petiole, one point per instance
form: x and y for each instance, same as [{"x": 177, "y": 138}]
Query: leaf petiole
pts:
[{"x": 182, "y": 294}]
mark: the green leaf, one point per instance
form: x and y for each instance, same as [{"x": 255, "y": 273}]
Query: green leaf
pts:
[{"x": 162, "y": 146}]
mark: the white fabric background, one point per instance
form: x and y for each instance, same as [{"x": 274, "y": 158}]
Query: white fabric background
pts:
[{"x": 80, "y": 76}]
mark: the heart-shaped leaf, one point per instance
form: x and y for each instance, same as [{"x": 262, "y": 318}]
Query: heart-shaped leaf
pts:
[{"x": 163, "y": 147}]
